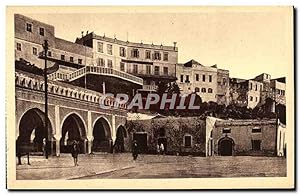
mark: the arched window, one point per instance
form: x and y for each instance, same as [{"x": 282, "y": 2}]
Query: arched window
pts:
[
  {"x": 203, "y": 90},
  {"x": 197, "y": 89},
  {"x": 210, "y": 90}
]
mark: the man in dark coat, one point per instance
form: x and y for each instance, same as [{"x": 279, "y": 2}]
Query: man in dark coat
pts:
[
  {"x": 75, "y": 152},
  {"x": 135, "y": 150}
]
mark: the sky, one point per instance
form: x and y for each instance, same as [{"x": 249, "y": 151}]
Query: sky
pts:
[{"x": 246, "y": 41}]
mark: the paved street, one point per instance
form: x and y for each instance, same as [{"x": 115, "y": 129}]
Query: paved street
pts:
[{"x": 150, "y": 166}]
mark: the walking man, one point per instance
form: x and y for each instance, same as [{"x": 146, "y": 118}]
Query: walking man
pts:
[
  {"x": 134, "y": 150},
  {"x": 75, "y": 152}
]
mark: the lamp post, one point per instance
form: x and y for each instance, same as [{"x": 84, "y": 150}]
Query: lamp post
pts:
[{"x": 46, "y": 47}]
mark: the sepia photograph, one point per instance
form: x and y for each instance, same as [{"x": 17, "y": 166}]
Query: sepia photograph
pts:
[{"x": 169, "y": 97}]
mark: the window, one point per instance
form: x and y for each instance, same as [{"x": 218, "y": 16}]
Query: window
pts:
[
  {"x": 256, "y": 145},
  {"x": 19, "y": 47},
  {"x": 122, "y": 52},
  {"x": 42, "y": 31},
  {"x": 122, "y": 66},
  {"x": 62, "y": 57},
  {"x": 203, "y": 90},
  {"x": 187, "y": 141},
  {"x": 148, "y": 54},
  {"x": 283, "y": 92},
  {"x": 109, "y": 63},
  {"x": 210, "y": 78},
  {"x": 156, "y": 70},
  {"x": 256, "y": 87},
  {"x": 148, "y": 69},
  {"x": 203, "y": 78},
  {"x": 256, "y": 99},
  {"x": 250, "y": 86},
  {"x": 197, "y": 77},
  {"x": 166, "y": 56},
  {"x": 181, "y": 78},
  {"x": 166, "y": 70},
  {"x": 135, "y": 68},
  {"x": 49, "y": 53},
  {"x": 135, "y": 53},
  {"x": 187, "y": 78},
  {"x": 109, "y": 49},
  {"x": 162, "y": 132},
  {"x": 157, "y": 55},
  {"x": 256, "y": 130},
  {"x": 251, "y": 98},
  {"x": 100, "y": 62},
  {"x": 34, "y": 51},
  {"x": 128, "y": 68},
  {"x": 197, "y": 89},
  {"x": 224, "y": 81},
  {"x": 29, "y": 27},
  {"x": 79, "y": 61},
  {"x": 100, "y": 47},
  {"x": 226, "y": 130},
  {"x": 71, "y": 59},
  {"x": 209, "y": 90}
]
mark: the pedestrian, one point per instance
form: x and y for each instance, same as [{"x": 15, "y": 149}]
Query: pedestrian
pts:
[
  {"x": 162, "y": 149},
  {"x": 157, "y": 149},
  {"x": 75, "y": 152},
  {"x": 135, "y": 150}
]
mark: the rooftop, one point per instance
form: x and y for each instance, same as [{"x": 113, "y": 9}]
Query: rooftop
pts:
[{"x": 92, "y": 35}]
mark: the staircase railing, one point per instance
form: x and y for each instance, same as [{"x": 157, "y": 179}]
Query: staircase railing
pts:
[{"x": 95, "y": 70}]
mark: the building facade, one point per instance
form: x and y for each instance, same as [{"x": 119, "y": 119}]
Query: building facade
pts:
[
  {"x": 152, "y": 63},
  {"x": 143, "y": 65},
  {"x": 209, "y": 82},
  {"x": 246, "y": 92},
  {"x": 240, "y": 137},
  {"x": 278, "y": 88},
  {"x": 179, "y": 135},
  {"x": 29, "y": 39}
]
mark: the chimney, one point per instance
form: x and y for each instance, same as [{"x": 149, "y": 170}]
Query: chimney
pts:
[{"x": 174, "y": 45}]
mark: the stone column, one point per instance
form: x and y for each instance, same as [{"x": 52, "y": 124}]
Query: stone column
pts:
[
  {"x": 57, "y": 133},
  {"x": 90, "y": 132},
  {"x": 113, "y": 128}
]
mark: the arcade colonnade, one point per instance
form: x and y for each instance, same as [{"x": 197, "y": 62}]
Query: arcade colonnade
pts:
[{"x": 94, "y": 131}]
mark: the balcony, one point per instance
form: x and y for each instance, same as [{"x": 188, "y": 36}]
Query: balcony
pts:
[
  {"x": 96, "y": 71},
  {"x": 149, "y": 88}
]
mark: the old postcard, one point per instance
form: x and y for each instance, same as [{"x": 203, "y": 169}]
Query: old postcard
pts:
[{"x": 150, "y": 97}]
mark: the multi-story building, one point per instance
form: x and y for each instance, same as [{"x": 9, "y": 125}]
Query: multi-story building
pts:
[
  {"x": 152, "y": 63},
  {"x": 278, "y": 88},
  {"x": 95, "y": 62},
  {"x": 209, "y": 82},
  {"x": 245, "y": 92},
  {"x": 29, "y": 37}
]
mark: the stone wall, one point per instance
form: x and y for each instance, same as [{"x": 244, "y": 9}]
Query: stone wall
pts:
[
  {"x": 241, "y": 132},
  {"x": 175, "y": 130}
]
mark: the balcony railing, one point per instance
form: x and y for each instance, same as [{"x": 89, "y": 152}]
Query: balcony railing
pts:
[
  {"x": 95, "y": 70},
  {"x": 150, "y": 87},
  {"x": 31, "y": 81}
]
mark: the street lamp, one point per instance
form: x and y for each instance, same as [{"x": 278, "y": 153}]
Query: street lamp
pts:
[{"x": 46, "y": 47}]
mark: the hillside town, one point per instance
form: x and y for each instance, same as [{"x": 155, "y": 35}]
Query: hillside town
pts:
[{"x": 61, "y": 84}]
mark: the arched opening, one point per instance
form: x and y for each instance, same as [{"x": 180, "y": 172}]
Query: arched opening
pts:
[
  {"x": 225, "y": 146},
  {"x": 119, "y": 143},
  {"x": 73, "y": 130},
  {"x": 102, "y": 136},
  {"x": 32, "y": 130}
]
